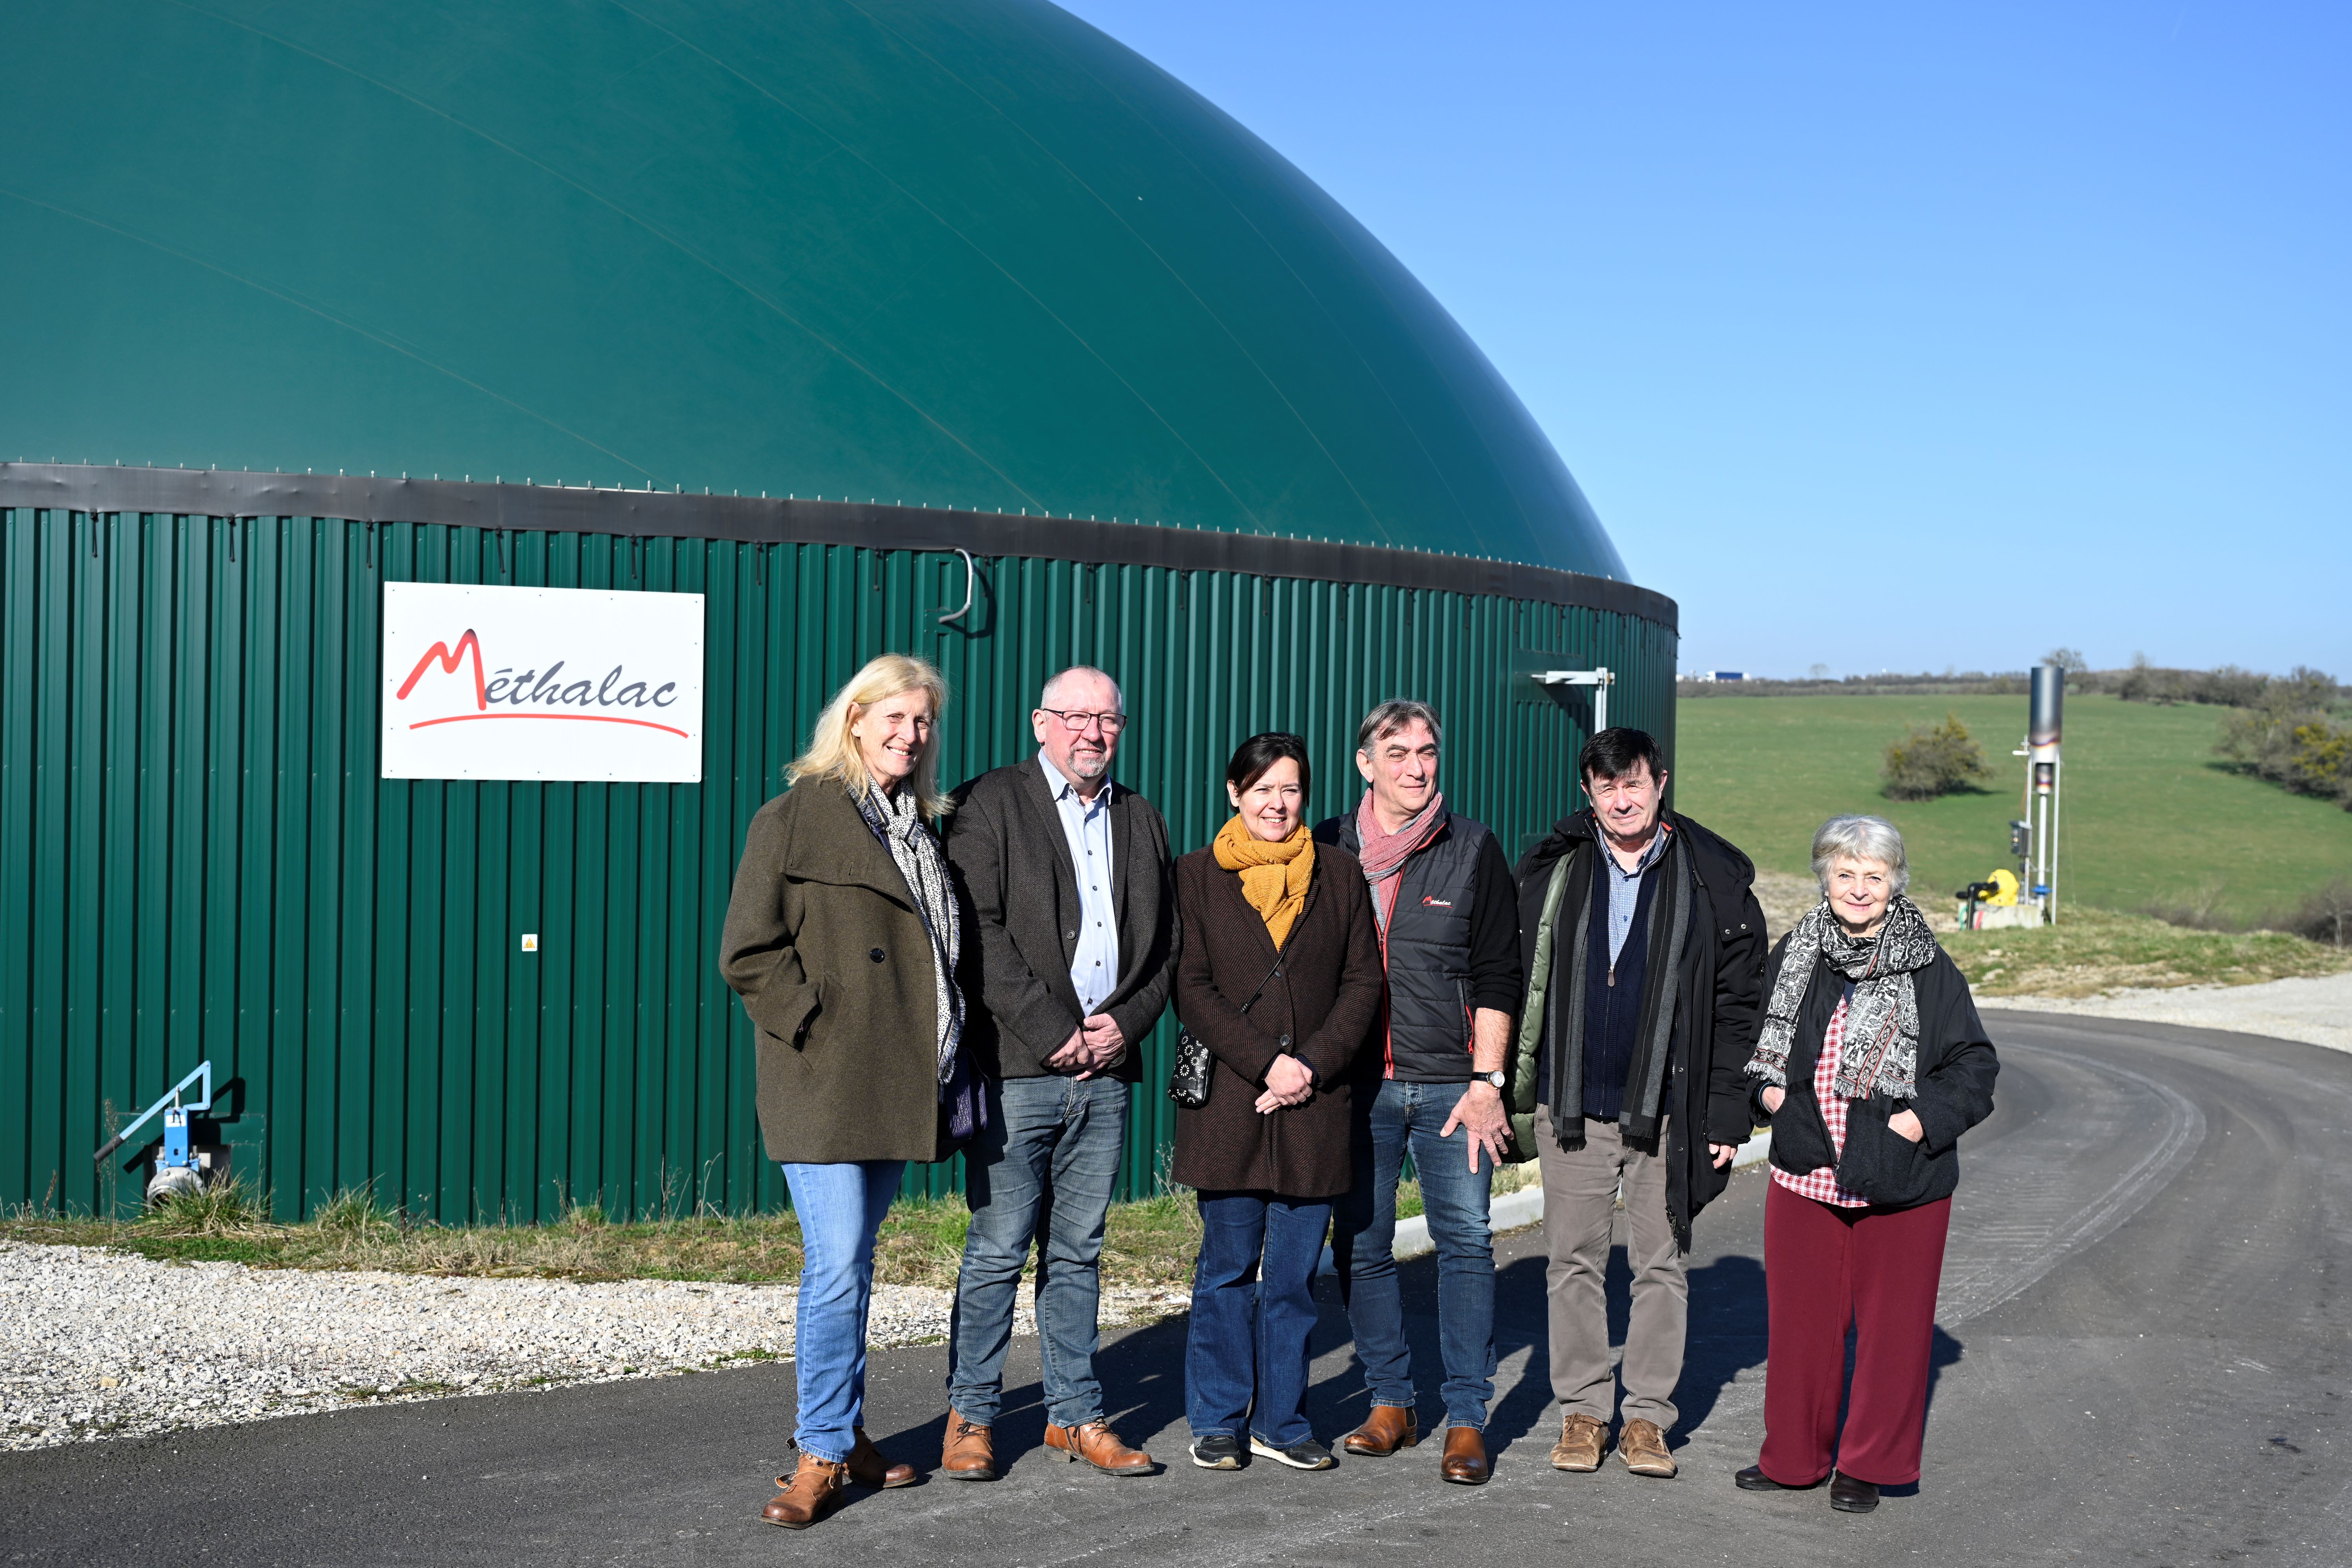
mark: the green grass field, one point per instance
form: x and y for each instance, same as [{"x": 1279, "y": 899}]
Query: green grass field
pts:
[{"x": 2149, "y": 818}]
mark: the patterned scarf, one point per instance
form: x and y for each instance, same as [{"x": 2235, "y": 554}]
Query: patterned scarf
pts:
[
  {"x": 1882, "y": 1023},
  {"x": 1274, "y": 877},
  {"x": 917, "y": 854},
  {"x": 1384, "y": 853}
]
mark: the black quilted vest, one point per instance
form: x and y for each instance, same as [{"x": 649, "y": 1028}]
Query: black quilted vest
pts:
[{"x": 1428, "y": 1013}]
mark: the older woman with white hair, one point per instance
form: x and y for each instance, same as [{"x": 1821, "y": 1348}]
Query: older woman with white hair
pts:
[{"x": 1870, "y": 1063}]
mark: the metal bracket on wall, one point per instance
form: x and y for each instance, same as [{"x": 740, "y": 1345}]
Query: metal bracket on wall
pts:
[
  {"x": 1600, "y": 680},
  {"x": 971, "y": 582}
]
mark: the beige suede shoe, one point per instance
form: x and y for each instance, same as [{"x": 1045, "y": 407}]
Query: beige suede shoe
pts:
[
  {"x": 1582, "y": 1440},
  {"x": 1644, "y": 1448}
]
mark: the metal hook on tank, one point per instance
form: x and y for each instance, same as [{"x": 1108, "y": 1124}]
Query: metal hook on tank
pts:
[{"x": 970, "y": 580}]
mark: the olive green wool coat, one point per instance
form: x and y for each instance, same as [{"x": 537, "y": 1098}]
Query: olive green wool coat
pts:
[{"x": 825, "y": 946}]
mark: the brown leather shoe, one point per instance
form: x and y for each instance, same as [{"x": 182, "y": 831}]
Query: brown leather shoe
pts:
[
  {"x": 1388, "y": 1429},
  {"x": 809, "y": 1493},
  {"x": 1465, "y": 1456},
  {"x": 969, "y": 1454},
  {"x": 867, "y": 1467},
  {"x": 1644, "y": 1448},
  {"x": 1582, "y": 1440},
  {"x": 1099, "y": 1446}
]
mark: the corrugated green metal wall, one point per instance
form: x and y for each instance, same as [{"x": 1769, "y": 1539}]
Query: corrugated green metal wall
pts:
[{"x": 197, "y": 858}]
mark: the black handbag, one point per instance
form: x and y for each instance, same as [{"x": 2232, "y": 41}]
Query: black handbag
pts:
[{"x": 1188, "y": 1076}]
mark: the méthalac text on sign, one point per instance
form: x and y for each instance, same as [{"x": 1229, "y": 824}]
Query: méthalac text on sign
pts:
[{"x": 541, "y": 683}]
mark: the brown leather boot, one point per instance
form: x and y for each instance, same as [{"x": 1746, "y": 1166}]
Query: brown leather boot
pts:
[
  {"x": 1642, "y": 1446},
  {"x": 969, "y": 1454},
  {"x": 867, "y": 1467},
  {"x": 1465, "y": 1456},
  {"x": 1580, "y": 1442},
  {"x": 809, "y": 1493},
  {"x": 1388, "y": 1429},
  {"x": 1099, "y": 1446}
]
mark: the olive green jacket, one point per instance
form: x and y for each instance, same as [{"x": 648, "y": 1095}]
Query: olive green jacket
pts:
[{"x": 824, "y": 945}]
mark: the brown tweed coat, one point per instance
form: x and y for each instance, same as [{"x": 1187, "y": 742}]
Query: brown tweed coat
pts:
[
  {"x": 1326, "y": 999},
  {"x": 823, "y": 943}
]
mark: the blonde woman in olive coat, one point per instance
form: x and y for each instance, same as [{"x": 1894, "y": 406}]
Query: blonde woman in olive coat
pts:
[{"x": 842, "y": 939}]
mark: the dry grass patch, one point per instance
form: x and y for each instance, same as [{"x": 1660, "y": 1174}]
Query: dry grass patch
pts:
[
  {"x": 1149, "y": 1243},
  {"x": 2091, "y": 951}
]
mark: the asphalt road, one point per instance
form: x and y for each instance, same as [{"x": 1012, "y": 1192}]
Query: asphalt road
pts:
[{"x": 2141, "y": 1358}]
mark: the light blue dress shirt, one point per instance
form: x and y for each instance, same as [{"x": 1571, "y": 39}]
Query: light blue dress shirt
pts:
[
  {"x": 1626, "y": 887},
  {"x": 1094, "y": 966}
]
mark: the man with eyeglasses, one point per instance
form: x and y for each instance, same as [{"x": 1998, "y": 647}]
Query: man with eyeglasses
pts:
[{"x": 1066, "y": 875}]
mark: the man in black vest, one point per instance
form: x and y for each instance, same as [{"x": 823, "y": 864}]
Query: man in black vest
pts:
[
  {"x": 1644, "y": 954},
  {"x": 1443, "y": 900}
]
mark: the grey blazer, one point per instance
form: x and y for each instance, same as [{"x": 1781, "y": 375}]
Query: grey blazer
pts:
[{"x": 1021, "y": 920}]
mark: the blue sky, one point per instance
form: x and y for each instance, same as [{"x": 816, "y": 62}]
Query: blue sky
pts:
[{"x": 1880, "y": 337}]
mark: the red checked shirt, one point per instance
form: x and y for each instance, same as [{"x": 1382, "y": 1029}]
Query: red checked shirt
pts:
[{"x": 1822, "y": 1186}]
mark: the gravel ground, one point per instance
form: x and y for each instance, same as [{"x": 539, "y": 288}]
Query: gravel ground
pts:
[
  {"x": 2316, "y": 1012},
  {"x": 96, "y": 1343}
]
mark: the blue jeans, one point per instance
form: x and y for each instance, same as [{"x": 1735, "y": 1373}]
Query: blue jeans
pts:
[
  {"x": 840, "y": 1209},
  {"x": 1253, "y": 1307},
  {"x": 1364, "y": 1249},
  {"x": 1045, "y": 1161}
]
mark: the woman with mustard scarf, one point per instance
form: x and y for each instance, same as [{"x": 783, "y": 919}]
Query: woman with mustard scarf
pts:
[{"x": 1280, "y": 978}]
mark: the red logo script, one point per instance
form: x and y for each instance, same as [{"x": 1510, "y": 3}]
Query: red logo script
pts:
[{"x": 536, "y": 686}]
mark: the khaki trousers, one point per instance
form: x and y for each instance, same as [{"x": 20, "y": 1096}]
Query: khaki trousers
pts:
[{"x": 1579, "y": 1205}]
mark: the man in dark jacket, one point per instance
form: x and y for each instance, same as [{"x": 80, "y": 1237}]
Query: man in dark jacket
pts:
[
  {"x": 1449, "y": 928},
  {"x": 1644, "y": 954},
  {"x": 1067, "y": 878}
]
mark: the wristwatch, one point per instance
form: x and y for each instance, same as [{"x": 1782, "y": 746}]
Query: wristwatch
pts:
[{"x": 1497, "y": 1079}]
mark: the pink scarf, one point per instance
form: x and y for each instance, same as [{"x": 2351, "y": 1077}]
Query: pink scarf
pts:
[{"x": 1384, "y": 853}]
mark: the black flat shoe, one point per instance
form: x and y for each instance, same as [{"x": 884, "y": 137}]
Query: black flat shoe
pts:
[
  {"x": 1849, "y": 1496},
  {"x": 1754, "y": 1480}
]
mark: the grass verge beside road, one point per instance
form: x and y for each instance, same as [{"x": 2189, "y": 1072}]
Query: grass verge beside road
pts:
[
  {"x": 1148, "y": 1243},
  {"x": 2093, "y": 951}
]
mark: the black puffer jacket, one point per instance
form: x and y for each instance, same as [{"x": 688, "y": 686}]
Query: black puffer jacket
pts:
[{"x": 1951, "y": 1092}]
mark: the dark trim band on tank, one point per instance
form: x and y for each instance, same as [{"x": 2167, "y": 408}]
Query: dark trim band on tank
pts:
[{"x": 755, "y": 519}]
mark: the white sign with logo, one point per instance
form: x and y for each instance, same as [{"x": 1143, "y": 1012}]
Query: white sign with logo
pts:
[{"x": 541, "y": 683}]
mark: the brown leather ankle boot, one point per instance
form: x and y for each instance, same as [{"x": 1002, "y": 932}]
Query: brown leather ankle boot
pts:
[
  {"x": 1388, "y": 1429},
  {"x": 970, "y": 1452},
  {"x": 1099, "y": 1446},
  {"x": 1465, "y": 1459},
  {"x": 867, "y": 1467},
  {"x": 809, "y": 1493}
]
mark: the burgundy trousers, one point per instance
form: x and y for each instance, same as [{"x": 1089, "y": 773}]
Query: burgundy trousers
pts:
[{"x": 1826, "y": 1267}]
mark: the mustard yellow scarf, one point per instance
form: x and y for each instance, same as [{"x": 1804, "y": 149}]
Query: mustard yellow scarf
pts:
[{"x": 1274, "y": 875}]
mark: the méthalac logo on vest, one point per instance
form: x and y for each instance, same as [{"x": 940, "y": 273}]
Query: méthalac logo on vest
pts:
[{"x": 541, "y": 683}]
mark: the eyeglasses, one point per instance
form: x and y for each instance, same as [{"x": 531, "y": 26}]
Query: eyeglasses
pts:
[{"x": 1075, "y": 723}]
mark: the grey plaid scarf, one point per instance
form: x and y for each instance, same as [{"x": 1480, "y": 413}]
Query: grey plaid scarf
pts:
[
  {"x": 917, "y": 856},
  {"x": 1882, "y": 1022}
]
